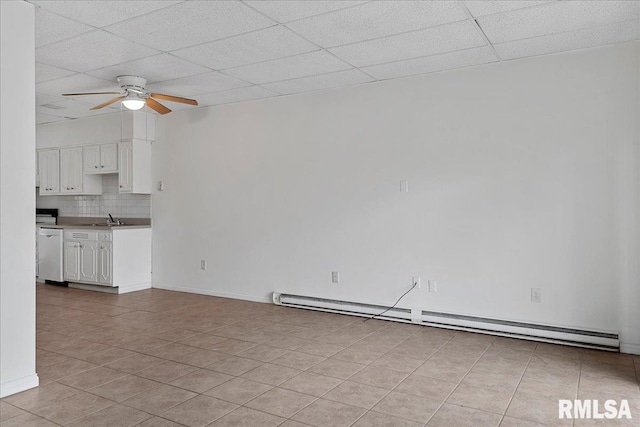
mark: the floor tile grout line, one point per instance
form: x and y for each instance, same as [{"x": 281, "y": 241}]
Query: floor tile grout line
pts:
[
  {"x": 461, "y": 380},
  {"x": 518, "y": 385},
  {"x": 413, "y": 371}
]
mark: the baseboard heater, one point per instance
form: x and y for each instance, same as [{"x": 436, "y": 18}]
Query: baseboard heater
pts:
[{"x": 529, "y": 331}]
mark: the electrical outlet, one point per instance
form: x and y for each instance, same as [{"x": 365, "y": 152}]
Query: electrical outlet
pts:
[
  {"x": 414, "y": 280},
  {"x": 404, "y": 188},
  {"x": 203, "y": 264},
  {"x": 433, "y": 286},
  {"x": 536, "y": 294},
  {"x": 335, "y": 277}
]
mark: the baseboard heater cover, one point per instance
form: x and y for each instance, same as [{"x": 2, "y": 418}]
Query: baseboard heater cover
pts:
[{"x": 530, "y": 331}]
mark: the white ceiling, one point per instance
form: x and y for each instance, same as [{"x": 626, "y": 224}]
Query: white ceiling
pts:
[{"x": 221, "y": 52}]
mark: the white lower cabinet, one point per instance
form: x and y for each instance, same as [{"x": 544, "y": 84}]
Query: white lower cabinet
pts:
[
  {"x": 84, "y": 259},
  {"x": 119, "y": 258},
  {"x": 71, "y": 260},
  {"x": 105, "y": 263},
  {"x": 89, "y": 262}
]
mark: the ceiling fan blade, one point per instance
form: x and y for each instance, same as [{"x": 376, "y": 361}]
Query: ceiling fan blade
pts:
[
  {"x": 174, "y": 98},
  {"x": 91, "y": 93},
  {"x": 155, "y": 105},
  {"x": 109, "y": 102}
]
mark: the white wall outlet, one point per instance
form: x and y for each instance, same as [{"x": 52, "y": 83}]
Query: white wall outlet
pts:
[
  {"x": 404, "y": 187},
  {"x": 433, "y": 286},
  {"x": 335, "y": 277},
  {"x": 203, "y": 264},
  {"x": 160, "y": 185},
  {"x": 414, "y": 280},
  {"x": 536, "y": 294}
]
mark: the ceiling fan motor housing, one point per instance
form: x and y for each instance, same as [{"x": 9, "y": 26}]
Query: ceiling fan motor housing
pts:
[{"x": 133, "y": 83}]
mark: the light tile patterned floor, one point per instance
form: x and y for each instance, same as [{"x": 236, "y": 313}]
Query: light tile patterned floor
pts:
[{"x": 159, "y": 358}]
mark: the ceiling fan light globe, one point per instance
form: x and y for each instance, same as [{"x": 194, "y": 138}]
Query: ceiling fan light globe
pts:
[{"x": 133, "y": 103}]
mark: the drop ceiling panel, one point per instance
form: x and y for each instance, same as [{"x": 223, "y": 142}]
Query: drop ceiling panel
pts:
[
  {"x": 89, "y": 51},
  {"x": 445, "y": 38},
  {"x": 482, "y": 8},
  {"x": 236, "y": 95},
  {"x": 212, "y": 81},
  {"x": 46, "y": 72},
  {"x": 190, "y": 23},
  {"x": 154, "y": 68},
  {"x": 590, "y": 37},
  {"x": 42, "y": 118},
  {"x": 376, "y": 19},
  {"x": 52, "y": 28},
  {"x": 74, "y": 84},
  {"x": 430, "y": 64},
  {"x": 101, "y": 13},
  {"x": 556, "y": 17},
  {"x": 71, "y": 108},
  {"x": 323, "y": 81},
  {"x": 43, "y": 98},
  {"x": 262, "y": 45},
  {"x": 290, "y": 10},
  {"x": 307, "y": 64},
  {"x": 278, "y": 44}
]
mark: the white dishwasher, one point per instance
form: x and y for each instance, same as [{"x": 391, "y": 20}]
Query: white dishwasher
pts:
[{"x": 50, "y": 254}]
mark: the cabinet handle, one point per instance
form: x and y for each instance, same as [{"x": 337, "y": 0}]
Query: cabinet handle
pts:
[
  {"x": 101, "y": 166},
  {"x": 96, "y": 166}
]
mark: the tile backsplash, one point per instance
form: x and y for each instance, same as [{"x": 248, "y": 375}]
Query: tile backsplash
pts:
[{"x": 111, "y": 201}]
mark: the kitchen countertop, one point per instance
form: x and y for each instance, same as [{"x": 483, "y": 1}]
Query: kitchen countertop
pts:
[
  {"x": 94, "y": 227},
  {"x": 87, "y": 223}
]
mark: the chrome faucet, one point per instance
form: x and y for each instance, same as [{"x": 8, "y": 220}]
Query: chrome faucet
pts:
[{"x": 111, "y": 221}]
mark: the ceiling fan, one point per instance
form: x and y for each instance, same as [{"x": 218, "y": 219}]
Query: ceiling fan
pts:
[{"x": 134, "y": 96}]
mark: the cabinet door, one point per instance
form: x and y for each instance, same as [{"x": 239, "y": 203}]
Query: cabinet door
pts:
[
  {"x": 49, "y": 162},
  {"x": 76, "y": 172},
  {"x": 125, "y": 150},
  {"x": 109, "y": 157},
  {"x": 71, "y": 261},
  {"x": 88, "y": 262},
  {"x": 37, "y": 170},
  {"x": 105, "y": 265},
  {"x": 92, "y": 159},
  {"x": 71, "y": 170}
]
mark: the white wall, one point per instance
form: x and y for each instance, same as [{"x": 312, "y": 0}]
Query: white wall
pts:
[
  {"x": 17, "y": 203},
  {"x": 522, "y": 174}
]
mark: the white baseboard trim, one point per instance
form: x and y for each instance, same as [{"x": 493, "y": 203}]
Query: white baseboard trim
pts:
[
  {"x": 21, "y": 384},
  {"x": 213, "y": 293},
  {"x": 629, "y": 348},
  {"x": 111, "y": 289},
  {"x": 133, "y": 288}
]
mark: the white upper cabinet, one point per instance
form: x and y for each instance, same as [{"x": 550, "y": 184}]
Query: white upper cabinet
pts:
[
  {"x": 92, "y": 159},
  {"x": 37, "y": 170},
  {"x": 49, "y": 166},
  {"x": 135, "y": 167},
  {"x": 71, "y": 170},
  {"x": 109, "y": 158},
  {"x": 62, "y": 172},
  {"x": 101, "y": 158}
]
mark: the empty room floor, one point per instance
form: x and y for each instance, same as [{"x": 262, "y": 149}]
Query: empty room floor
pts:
[{"x": 161, "y": 358}]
